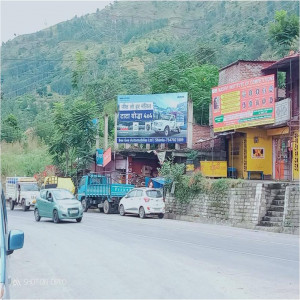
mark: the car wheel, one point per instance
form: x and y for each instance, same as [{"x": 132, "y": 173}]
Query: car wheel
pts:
[
  {"x": 12, "y": 204},
  {"x": 84, "y": 205},
  {"x": 107, "y": 207},
  {"x": 37, "y": 215},
  {"x": 142, "y": 212},
  {"x": 122, "y": 210},
  {"x": 167, "y": 131},
  {"x": 27, "y": 207},
  {"x": 160, "y": 216},
  {"x": 78, "y": 220},
  {"x": 55, "y": 217},
  {"x": 23, "y": 203}
]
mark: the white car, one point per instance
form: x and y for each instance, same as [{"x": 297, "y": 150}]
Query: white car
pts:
[
  {"x": 166, "y": 125},
  {"x": 143, "y": 202}
]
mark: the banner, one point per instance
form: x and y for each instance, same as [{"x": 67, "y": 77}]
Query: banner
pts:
[
  {"x": 152, "y": 119},
  {"x": 245, "y": 103},
  {"x": 99, "y": 157},
  {"x": 106, "y": 157}
]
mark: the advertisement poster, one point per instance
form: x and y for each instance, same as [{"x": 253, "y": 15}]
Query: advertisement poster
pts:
[
  {"x": 258, "y": 153},
  {"x": 152, "y": 119},
  {"x": 245, "y": 103}
]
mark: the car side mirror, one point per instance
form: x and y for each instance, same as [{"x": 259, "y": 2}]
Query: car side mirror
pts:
[{"x": 15, "y": 240}]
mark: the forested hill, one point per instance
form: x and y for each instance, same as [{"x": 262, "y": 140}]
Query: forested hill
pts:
[{"x": 114, "y": 50}]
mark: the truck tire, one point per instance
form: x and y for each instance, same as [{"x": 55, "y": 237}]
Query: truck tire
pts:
[
  {"x": 12, "y": 204},
  {"x": 23, "y": 203},
  {"x": 84, "y": 205},
  {"x": 107, "y": 207},
  {"x": 167, "y": 131}
]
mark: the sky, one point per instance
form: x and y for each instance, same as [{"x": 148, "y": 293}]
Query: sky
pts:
[{"x": 24, "y": 17}]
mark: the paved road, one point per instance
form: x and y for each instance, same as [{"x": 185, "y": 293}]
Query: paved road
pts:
[{"x": 109, "y": 256}]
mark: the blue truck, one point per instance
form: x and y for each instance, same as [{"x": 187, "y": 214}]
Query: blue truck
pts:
[{"x": 99, "y": 191}]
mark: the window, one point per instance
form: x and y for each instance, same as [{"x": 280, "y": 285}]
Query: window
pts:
[
  {"x": 131, "y": 194},
  {"x": 154, "y": 193},
  {"x": 43, "y": 194},
  {"x": 139, "y": 193},
  {"x": 82, "y": 181}
]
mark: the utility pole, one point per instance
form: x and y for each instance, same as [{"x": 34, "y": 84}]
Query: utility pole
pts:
[
  {"x": 105, "y": 132},
  {"x": 97, "y": 135}
]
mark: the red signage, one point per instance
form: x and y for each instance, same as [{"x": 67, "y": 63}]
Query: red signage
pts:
[
  {"x": 245, "y": 103},
  {"x": 106, "y": 157}
]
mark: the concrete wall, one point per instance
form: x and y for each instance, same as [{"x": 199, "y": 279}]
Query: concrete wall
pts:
[
  {"x": 291, "y": 207},
  {"x": 243, "y": 205}
]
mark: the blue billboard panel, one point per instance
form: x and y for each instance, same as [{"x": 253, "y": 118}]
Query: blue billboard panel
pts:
[{"x": 152, "y": 119}]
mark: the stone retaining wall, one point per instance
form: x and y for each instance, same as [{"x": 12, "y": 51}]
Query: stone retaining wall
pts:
[{"x": 243, "y": 205}]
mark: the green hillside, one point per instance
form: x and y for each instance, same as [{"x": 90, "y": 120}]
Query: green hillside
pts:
[{"x": 134, "y": 48}]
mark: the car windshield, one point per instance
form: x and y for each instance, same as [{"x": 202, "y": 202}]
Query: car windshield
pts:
[
  {"x": 166, "y": 117},
  {"x": 29, "y": 187},
  {"x": 154, "y": 193},
  {"x": 63, "y": 195}
]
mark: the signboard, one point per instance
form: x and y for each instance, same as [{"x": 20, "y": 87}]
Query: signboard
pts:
[
  {"x": 106, "y": 157},
  {"x": 214, "y": 168},
  {"x": 152, "y": 119},
  {"x": 99, "y": 157},
  {"x": 282, "y": 111},
  {"x": 245, "y": 103},
  {"x": 258, "y": 153}
]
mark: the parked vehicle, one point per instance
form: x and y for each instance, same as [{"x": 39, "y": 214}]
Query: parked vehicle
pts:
[
  {"x": 166, "y": 125},
  {"x": 9, "y": 241},
  {"x": 21, "y": 191},
  {"x": 143, "y": 202},
  {"x": 60, "y": 183},
  {"x": 98, "y": 191},
  {"x": 57, "y": 204}
]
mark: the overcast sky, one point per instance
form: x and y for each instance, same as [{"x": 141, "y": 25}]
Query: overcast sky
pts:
[{"x": 22, "y": 17}]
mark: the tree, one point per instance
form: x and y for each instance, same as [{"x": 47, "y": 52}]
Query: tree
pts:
[
  {"x": 74, "y": 135},
  {"x": 10, "y": 130},
  {"x": 285, "y": 30},
  {"x": 183, "y": 74}
]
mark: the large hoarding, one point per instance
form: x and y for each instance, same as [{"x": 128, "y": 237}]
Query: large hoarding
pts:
[
  {"x": 245, "y": 103},
  {"x": 152, "y": 119}
]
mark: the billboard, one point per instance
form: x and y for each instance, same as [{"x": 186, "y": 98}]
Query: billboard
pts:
[
  {"x": 245, "y": 103},
  {"x": 103, "y": 157},
  {"x": 152, "y": 119}
]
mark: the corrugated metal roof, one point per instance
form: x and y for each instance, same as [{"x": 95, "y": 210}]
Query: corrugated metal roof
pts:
[{"x": 284, "y": 62}]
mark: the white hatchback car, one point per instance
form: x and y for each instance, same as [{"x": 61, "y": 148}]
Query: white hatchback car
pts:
[{"x": 143, "y": 202}]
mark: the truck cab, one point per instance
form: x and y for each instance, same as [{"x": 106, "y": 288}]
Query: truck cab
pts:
[
  {"x": 99, "y": 191},
  {"x": 21, "y": 191}
]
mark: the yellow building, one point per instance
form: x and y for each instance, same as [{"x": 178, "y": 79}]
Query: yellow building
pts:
[{"x": 252, "y": 152}]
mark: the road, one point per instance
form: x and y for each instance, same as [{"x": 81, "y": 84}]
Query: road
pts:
[{"x": 109, "y": 256}]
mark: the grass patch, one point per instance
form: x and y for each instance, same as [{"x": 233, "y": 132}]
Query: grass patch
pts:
[{"x": 23, "y": 158}]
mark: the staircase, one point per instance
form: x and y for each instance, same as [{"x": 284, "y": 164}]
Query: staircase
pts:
[{"x": 274, "y": 215}]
